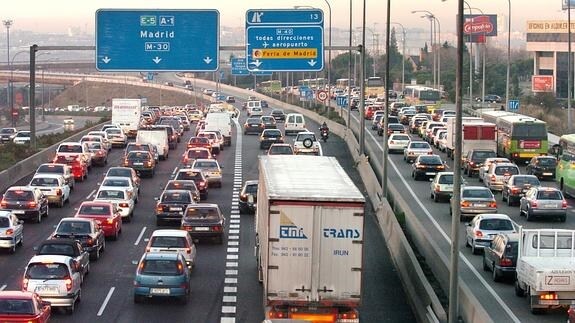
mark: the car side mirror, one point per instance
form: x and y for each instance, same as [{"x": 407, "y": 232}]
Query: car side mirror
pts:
[{"x": 156, "y": 198}]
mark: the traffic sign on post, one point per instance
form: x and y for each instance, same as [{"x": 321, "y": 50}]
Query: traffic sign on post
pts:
[
  {"x": 513, "y": 105},
  {"x": 284, "y": 40},
  {"x": 157, "y": 40},
  {"x": 341, "y": 100},
  {"x": 321, "y": 95},
  {"x": 239, "y": 66}
]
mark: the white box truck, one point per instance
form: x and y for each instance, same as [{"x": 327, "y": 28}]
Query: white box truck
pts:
[
  {"x": 477, "y": 134},
  {"x": 157, "y": 137},
  {"x": 546, "y": 268},
  {"x": 126, "y": 113},
  {"x": 222, "y": 122},
  {"x": 309, "y": 239}
]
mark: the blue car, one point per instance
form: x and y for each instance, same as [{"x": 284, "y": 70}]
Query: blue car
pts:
[{"x": 162, "y": 275}]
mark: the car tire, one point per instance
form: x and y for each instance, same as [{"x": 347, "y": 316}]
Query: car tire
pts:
[
  {"x": 95, "y": 255},
  {"x": 39, "y": 218},
  {"x": 435, "y": 198},
  {"x": 21, "y": 242},
  {"x": 12, "y": 249},
  {"x": 485, "y": 267},
  {"x": 115, "y": 236},
  {"x": 528, "y": 217},
  {"x": 509, "y": 200}
]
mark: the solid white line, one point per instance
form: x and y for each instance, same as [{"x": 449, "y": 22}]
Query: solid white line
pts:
[
  {"x": 175, "y": 170},
  {"x": 89, "y": 195},
  {"x": 3, "y": 287},
  {"x": 446, "y": 237},
  {"x": 103, "y": 307},
  {"x": 140, "y": 236}
]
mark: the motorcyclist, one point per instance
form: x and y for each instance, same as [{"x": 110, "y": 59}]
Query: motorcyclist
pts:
[{"x": 324, "y": 127}]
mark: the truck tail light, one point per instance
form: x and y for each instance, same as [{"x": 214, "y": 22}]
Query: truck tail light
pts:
[
  {"x": 505, "y": 262},
  {"x": 351, "y": 315},
  {"x": 533, "y": 203},
  {"x": 276, "y": 314},
  {"x": 68, "y": 283},
  {"x": 549, "y": 296}
]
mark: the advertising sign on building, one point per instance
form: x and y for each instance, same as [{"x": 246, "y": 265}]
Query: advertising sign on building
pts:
[
  {"x": 542, "y": 83},
  {"x": 477, "y": 27}
]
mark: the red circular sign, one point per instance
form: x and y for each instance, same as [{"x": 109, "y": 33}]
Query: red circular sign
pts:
[{"x": 322, "y": 95}]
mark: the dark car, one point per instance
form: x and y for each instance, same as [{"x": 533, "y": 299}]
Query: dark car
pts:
[
  {"x": 145, "y": 147},
  {"x": 278, "y": 114},
  {"x": 86, "y": 231},
  {"x": 141, "y": 161},
  {"x": 248, "y": 197},
  {"x": 264, "y": 104},
  {"x": 269, "y": 137},
  {"x": 253, "y": 125},
  {"x": 500, "y": 257},
  {"x": 516, "y": 186},
  {"x": 491, "y": 98},
  {"x": 6, "y": 134},
  {"x": 188, "y": 185},
  {"x": 475, "y": 159},
  {"x": 268, "y": 122},
  {"x": 204, "y": 221},
  {"x": 25, "y": 202},
  {"x": 171, "y": 205},
  {"x": 426, "y": 166},
  {"x": 542, "y": 167},
  {"x": 198, "y": 177}
]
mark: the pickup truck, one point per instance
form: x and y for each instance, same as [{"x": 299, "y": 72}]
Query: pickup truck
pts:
[
  {"x": 66, "y": 247},
  {"x": 546, "y": 268}
]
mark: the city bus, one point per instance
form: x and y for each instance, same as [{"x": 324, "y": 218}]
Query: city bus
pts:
[
  {"x": 491, "y": 116},
  {"x": 565, "y": 172},
  {"x": 417, "y": 94},
  {"x": 317, "y": 83},
  {"x": 271, "y": 86},
  {"x": 520, "y": 137},
  {"x": 342, "y": 84},
  {"x": 374, "y": 87}
]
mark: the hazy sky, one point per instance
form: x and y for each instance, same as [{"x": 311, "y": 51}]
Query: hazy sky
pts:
[{"x": 58, "y": 15}]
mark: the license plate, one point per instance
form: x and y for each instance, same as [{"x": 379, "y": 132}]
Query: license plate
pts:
[
  {"x": 430, "y": 173},
  {"x": 18, "y": 212},
  {"x": 160, "y": 291},
  {"x": 254, "y": 125},
  {"x": 201, "y": 229},
  {"x": 47, "y": 289},
  {"x": 480, "y": 204},
  {"x": 549, "y": 206},
  {"x": 138, "y": 164},
  {"x": 549, "y": 302},
  {"x": 547, "y": 174},
  {"x": 175, "y": 209}
]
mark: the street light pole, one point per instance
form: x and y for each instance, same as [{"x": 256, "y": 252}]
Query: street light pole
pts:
[
  {"x": 329, "y": 62},
  {"x": 403, "y": 56},
  {"x": 483, "y": 65},
  {"x": 569, "y": 79},
  {"x": 349, "y": 65},
  {"x": 436, "y": 68},
  {"x": 8, "y": 23},
  {"x": 509, "y": 52},
  {"x": 362, "y": 86},
  {"x": 470, "y": 61},
  {"x": 385, "y": 162}
]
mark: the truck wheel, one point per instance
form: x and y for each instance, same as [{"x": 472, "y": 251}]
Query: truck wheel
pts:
[
  {"x": 518, "y": 290},
  {"x": 527, "y": 215}
]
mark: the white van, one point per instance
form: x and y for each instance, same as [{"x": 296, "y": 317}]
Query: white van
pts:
[
  {"x": 252, "y": 104},
  {"x": 220, "y": 121},
  {"x": 157, "y": 137},
  {"x": 294, "y": 123}
]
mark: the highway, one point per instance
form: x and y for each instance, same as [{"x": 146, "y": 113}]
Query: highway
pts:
[{"x": 218, "y": 290}]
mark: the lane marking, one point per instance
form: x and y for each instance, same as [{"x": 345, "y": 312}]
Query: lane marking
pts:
[
  {"x": 175, "y": 170},
  {"x": 229, "y": 299},
  {"x": 231, "y": 280},
  {"x": 140, "y": 236},
  {"x": 229, "y": 309},
  {"x": 103, "y": 307},
  {"x": 445, "y": 236},
  {"x": 89, "y": 195},
  {"x": 3, "y": 287},
  {"x": 234, "y": 250},
  {"x": 230, "y": 289},
  {"x": 231, "y": 272},
  {"x": 232, "y": 264}
]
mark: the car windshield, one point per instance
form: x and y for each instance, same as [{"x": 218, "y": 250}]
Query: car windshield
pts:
[
  {"x": 175, "y": 197},
  {"x": 138, "y": 156},
  {"x": 73, "y": 227},
  {"x": 476, "y": 193},
  {"x": 277, "y": 112},
  {"x": 53, "y": 169},
  {"x": 205, "y": 164},
  {"x": 533, "y": 181},
  {"x": 113, "y": 131},
  {"x": 430, "y": 160},
  {"x": 16, "y": 307},
  {"x": 56, "y": 249},
  {"x": 200, "y": 153},
  {"x": 199, "y": 140},
  {"x": 483, "y": 155},
  {"x": 6, "y": 130},
  {"x": 446, "y": 179},
  {"x": 496, "y": 225},
  {"x": 253, "y": 121},
  {"x": 70, "y": 149},
  {"x": 132, "y": 147},
  {"x": 549, "y": 195},
  {"x": 111, "y": 194},
  {"x": 19, "y": 195},
  {"x": 251, "y": 189},
  {"x": 268, "y": 119},
  {"x": 546, "y": 161},
  {"x": 504, "y": 170},
  {"x": 188, "y": 175},
  {"x": 44, "y": 181},
  {"x": 4, "y": 222},
  {"x": 116, "y": 182},
  {"x": 95, "y": 210},
  {"x": 47, "y": 271},
  {"x": 168, "y": 242},
  {"x": 280, "y": 150},
  {"x": 420, "y": 145},
  {"x": 94, "y": 145},
  {"x": 396, "y": 127},
  {"x": 400, "y": 137},
  {"x": 119, "y": 172},
  {"x": 160, "y": 267},
  {"x": 202, "y": 213},
  {"x": 275, "y": 133}
]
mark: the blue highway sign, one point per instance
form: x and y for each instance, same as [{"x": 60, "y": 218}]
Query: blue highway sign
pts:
[
  {"x": 341, "y": 100},
  {"x": 284, "y": 40},
  {"x": 261, "y": 73},
  {"x": 157, "y": 40},
  {"x": 513, "y": 105},
  {"x": 239, "y": 66}
]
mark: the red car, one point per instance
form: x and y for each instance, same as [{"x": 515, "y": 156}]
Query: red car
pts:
[
  {"x": 199, "y": 142},
  {"x": 79, "y": 167},
  {"x": 106, "y": 214},
  {"x": 370, "y": 110},
  {"x": 17, "y": 306}
]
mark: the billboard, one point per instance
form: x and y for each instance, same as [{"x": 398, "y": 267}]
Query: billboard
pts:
[
  {"x": 567, "y": 4},
  {"x": 542, "y": 83},
  {"x": 477, "y": 27}
]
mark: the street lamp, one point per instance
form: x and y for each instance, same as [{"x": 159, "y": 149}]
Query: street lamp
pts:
[
  {"x": 8, "y": 23},
  {"x": 374, "y": 36},
  {"x": 403, "y": 56},
  {"x": 436, "y": 56},
  {"x": 509, "y": 51}
]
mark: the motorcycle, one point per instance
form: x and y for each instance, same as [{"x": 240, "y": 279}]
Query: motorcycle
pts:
[{"x": 324, "y": 134}]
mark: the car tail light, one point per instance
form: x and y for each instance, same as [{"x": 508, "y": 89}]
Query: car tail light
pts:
[
  {"x": 564, "y": 204},
  {"x": 188, "y": 250},
  {"x": 25, "y": 283},
  {"x": 202, "y": 184},
  {"x": 493, "y": 178},
  {"x": 123, "y": 204},
  {"x": 100, "y": 152},
  {"x": 148, "y": 164},
  {"x": 478, "y": 233},
  {"x": 549, "y": 296},
  {"x": 437, "y": 188},
  {"x": 185, "y": 160},
  {"x": 9, "y": 232},
  {"x": 274, "y": 314},
  {"x": 243, "y": 197},
  {"x": 533, "y": 203},
  {"x": 126, "y": 162},
  {"x": 493, "y": 204},
  {"x": 3, "y": 204},
  {"x": 505, "y": 262},
  {"x": 351, "y": 315},
  {"x": 420, "y": 166},
  {"x": 515, "y": 190},
  {"x": 32, "y": 204},
  {"x": 180, "y": 271},
  {"x": 471, "y": 164},
  {"x": 58, "y": 192},
  {"x": 68, "y": 283},
  {"x": 430, "y": 152},
  {"x": 217, "y": 228},
  {"x": 465, "y": 203},
  {"x": 159, "y": 209}
]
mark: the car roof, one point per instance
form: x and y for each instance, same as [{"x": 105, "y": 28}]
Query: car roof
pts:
[
  {"x": 50, "y": 259},
  {"x": 189, "y": 169},
  {"x": 20, "y": 188},
  {"x": 171, "y": 191},
  {"x": 475, "y": 187},
  {"x": 73, "y": 219},
  {"x": 161, "y": 256},
  {"x": 5, "y": 214},
  {"x": 169, "y": 233},
  {"x": 97, "y": 203},
  {"x": 505, "y": 165},
  {"x": 6, "y": 294},
  {"x": 494, "y": 216},
  {"x": 205, "y": 205},
  {"x": 251, "y": 182},
  {"x": 48, "y": 175}
]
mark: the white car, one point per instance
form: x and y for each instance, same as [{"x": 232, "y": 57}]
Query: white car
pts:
[
  {"x": 211, "y": 169},
  {"x": 498, "y": 173},
  {"x": 491, "y": 160},
  {"x": 120, "y": 197},
  {"x": 255, "y": 112},
  {"x": 415, "y": 148},
  {"x": 11, "y": 231},
  {"x": 53, "y": 186},
  {"x": 484, "y": 227},
  {"x": 117, "y": 137},
  {"x": 104, "y": 136},
  {"x": 305, "y": 143},
  {"x": 171, "y": 241},
  {"x": 22, "y": 137},
  {"x": 114, "y": 182},
  {"x": 93, "y": 138},
  {"x": 397, "y": 142}
]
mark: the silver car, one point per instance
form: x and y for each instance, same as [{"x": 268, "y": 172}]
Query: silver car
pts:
[
  {"x": 416, "y": 148},
  {"x": 543, "y": 202},
  {"x": 11, "y": 231},
  {"x": 484, "y": 227},
  {"x": 476, "y": 200}
]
